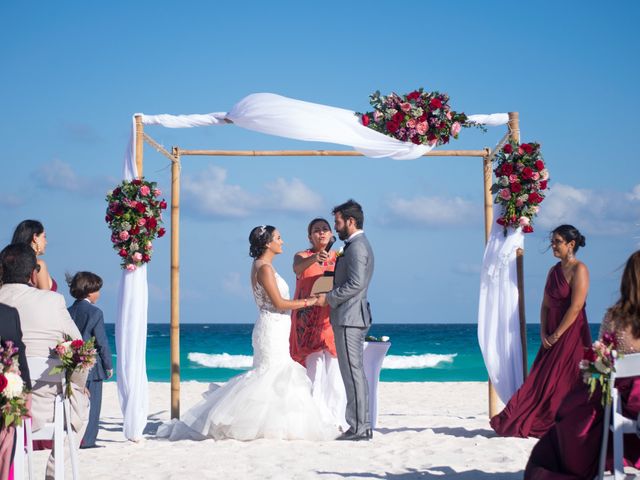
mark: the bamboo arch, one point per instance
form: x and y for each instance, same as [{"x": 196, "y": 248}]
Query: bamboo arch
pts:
[{"x": 175, "y": 157}]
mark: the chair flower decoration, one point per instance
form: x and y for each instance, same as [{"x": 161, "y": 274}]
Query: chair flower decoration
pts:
[
  {"x": 597, "y": 365},
  {"x": 13, "y": 395},
  {"x": 521, "y": 179},
  {"x": 75, "y": 356},
  {"x": 134, "y": 215},
  {"x": 419, "y": 117}
]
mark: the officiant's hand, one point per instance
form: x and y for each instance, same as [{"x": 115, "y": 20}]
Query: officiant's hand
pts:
[
  {"x": 322, "y": 300},
  {"x": 322, "y": 256}
]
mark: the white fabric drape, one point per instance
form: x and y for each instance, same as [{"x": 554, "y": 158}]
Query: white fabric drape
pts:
[
  {"x": 498, "y": 317},
  {"x": 261, "y": 112},
  {"x": 131, "y": 334}
]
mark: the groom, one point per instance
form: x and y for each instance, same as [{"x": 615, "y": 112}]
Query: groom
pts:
[{"x": 351, "y": 315}]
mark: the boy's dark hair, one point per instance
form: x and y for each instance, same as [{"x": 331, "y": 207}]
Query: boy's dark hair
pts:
[
  {"x": 352, "y": 209},
  {"x": 83, "y": 283},
  {"x": 17, "y": 263}
]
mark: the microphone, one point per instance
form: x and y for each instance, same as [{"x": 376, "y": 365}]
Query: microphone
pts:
[{"x": 330, "y": 244}]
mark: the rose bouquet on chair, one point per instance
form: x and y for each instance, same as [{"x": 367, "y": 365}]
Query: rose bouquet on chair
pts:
[
  {"x": 597, "y": 365},
  {"x": 13, "y": 395},
  {"x": 75, "y": 356}
]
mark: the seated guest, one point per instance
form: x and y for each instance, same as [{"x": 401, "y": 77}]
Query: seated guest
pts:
[
  {"x": 31, "y": 232},
  {"x": 564, "y": 333},
  {"x": 44, "y": 321},
  {"x": 10, "y": 331},
  {"x": 571, "y": 448},
  {"x": 85, "y": 288}
]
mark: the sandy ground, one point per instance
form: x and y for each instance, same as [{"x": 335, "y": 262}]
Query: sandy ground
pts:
[{"x": 425, "y": 430}]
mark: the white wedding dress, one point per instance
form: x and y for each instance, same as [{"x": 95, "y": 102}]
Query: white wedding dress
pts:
[{"x": 272, "y": 400}]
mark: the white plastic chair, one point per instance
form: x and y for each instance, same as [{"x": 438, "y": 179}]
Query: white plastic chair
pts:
[
  {"x": 627, "y": 366},
  {"x": 39, "y": 368}
]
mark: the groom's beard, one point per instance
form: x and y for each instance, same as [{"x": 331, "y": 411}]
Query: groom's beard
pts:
[{"x": 343, "y": 234}]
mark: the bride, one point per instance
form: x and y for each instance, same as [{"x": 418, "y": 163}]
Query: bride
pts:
[{"x": 272, "y": 400}]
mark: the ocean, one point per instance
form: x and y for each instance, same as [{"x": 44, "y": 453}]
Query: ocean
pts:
[{"x": 418, "y": 353}]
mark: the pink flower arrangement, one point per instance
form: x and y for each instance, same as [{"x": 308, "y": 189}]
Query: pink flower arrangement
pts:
[
  {"x": 521, "y": 179},
  {"x": 134, "y": 215},
  {"x": 13, "y": 396},
  {"x": 75, "y": 356},
  {"x": 598, "y": 363},
  {"x": 419, "y": 117}
]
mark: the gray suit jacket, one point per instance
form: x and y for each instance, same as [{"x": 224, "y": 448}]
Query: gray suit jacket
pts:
[
  {"x": 353, "y": 272},
  {"x": 90, "y": 322}
]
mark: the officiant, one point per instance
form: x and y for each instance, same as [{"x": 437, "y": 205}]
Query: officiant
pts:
[{"x": 311, "y": 341}]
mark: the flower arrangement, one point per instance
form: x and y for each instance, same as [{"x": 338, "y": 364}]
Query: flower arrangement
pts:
[
  {"x": 371, "y": 338},
  {"x": 75, "y": 356},
  {"x": 13, "y": 401},
  {"x": 521, "y": 178},
  {"x": 423, "y": 118},
  {"x": 134, "y": 215},
  {"x": 597, "y": 365}
]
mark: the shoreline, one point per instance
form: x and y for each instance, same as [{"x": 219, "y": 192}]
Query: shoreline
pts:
[{"x": 424, "y": 430}]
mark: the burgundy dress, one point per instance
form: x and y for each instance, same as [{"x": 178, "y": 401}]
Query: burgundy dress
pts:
[{"x": 532, "y": 409}]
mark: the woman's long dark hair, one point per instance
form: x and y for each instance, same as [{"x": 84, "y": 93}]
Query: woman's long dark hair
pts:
[
  {"x": 626, "y": 311},
  {"x": 25, "y": 231}
]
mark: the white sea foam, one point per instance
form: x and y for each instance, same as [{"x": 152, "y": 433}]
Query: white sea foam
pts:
[
  {"x": 426, "y": 360},
  {"x": 221, "y": 360},
  {"x": 391, "y": 362}
]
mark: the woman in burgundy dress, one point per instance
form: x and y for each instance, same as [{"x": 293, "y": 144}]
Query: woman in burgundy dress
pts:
[
  {"x": 32, "y": 233},
  {"x": 570, "y": 450},
  {"x": 564, "y": 333}
]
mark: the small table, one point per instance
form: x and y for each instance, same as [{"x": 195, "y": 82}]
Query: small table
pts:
[{"x": 373, "y": 355}]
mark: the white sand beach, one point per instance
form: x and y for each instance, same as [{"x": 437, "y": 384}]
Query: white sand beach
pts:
[{"x": 425, "y": 430}]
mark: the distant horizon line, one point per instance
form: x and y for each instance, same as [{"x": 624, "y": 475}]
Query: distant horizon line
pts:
[{"x": 376, "y": 323}]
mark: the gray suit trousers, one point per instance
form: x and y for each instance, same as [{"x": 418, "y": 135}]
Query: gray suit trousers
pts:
[{"x": 349, "y": 345}]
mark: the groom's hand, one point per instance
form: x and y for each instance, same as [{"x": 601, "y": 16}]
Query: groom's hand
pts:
[{"x": 322, "y": 300}]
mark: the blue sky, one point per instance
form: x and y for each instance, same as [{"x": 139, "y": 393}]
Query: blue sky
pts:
[{"x": 73, "y": 73}]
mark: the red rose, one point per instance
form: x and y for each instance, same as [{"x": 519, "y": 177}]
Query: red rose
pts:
[
  {"x": 435, "y": 103},
  {"x": 393, "y": 126},
  {"x": 116, "y": 191},
  {"x": 416, "y": 139},
  {"x": 501, "y": 221},
  {"x": 535, "y": 198},
  {"x": 163, "y": 204},
  {"x": 161, "y": 232},
  {"x": 135, "y": 230},
  {"x": 365, "y": 120},
  {"x": 590, "y": 355},
  {"x": 122, "y": 253},
  {"x": 146, "y": 258},
  {"x": 444, "y": 139},
  {"x": 507, "y": 148},
  {"x": 539, "y": 165},
  {"x": 3, "y": 382},
  {"x": 77, "y": 344},
  {"x": 527, "y": 229},
  {"x": 136, "y": 182},
  {"x": 543, "y": 185},
  {"x": 516, "y": 187},
  {"x": 527, "y": 173},
  {"x": 398, "y": 117},
  {"x": 527, "y": 147},
  {"x": 140, "y": 207},
  {"x": 507, "y": 169},
  {"x": 151, "y": 223},
  {"x": 413, "y": 95}
]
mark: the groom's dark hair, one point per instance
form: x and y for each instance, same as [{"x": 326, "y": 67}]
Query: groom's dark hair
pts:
[
  {"x": 352, "y": 209},
  {"x": 17, "y": 262}
]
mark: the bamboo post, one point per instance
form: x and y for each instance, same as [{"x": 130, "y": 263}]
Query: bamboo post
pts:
[
  {"x": 488, "y": 220},
  {"x": 139, "y": 144},
  {"x": 514, "y": 131},
  {"x": 175, "y": 284}
]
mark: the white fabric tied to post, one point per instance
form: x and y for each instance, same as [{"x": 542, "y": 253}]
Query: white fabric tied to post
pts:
[
  {"x": 261, "y": 112},
  {"x": 498, "y": 316}
]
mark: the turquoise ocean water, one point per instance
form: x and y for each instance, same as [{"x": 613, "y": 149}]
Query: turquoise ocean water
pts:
[{"x": 418, "y": 353}]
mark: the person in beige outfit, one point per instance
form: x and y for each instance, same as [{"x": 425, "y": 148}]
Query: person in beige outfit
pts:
[{"x": 44, "y": 320}]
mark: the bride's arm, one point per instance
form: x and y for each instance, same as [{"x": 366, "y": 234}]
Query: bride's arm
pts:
[{"x": 268, "y": 280}]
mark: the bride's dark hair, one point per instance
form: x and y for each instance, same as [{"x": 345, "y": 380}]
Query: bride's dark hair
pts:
[{"x": 259, "y": 238}]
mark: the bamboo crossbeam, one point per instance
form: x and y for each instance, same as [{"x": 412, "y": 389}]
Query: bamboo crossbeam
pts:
[{"x": 320, "y": 153}]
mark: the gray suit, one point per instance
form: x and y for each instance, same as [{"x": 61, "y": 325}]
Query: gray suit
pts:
[{"x": 351, "y": 319}]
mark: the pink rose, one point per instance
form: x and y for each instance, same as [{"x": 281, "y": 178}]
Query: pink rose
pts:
[
  {"x": 411, "y": 123},
  {"x": 455, "y": 129},
  {"x": 505, "y": 194},
  {"x": 131, "y": 267},
  {"x": 124, "y": 235},
  {"x": 405, "y": 107},
  {"x": 137, "y": 257},
  {"x": 519, "y": 203},
  {"x": 449, "y": 115},
  {"x": 157, "y": 192},
  {"x": 421, "y": 128},
  {"x": 141, "y": 222},
  {"x": 513, "y": 178},
  {"x": 535, "y": 176},
  {"x": 144, "y": 190},
  {"x": 523, "y": 221}
]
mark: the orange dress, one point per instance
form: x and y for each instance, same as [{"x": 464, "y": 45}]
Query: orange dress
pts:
[{"x": 310, "y": 327}]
